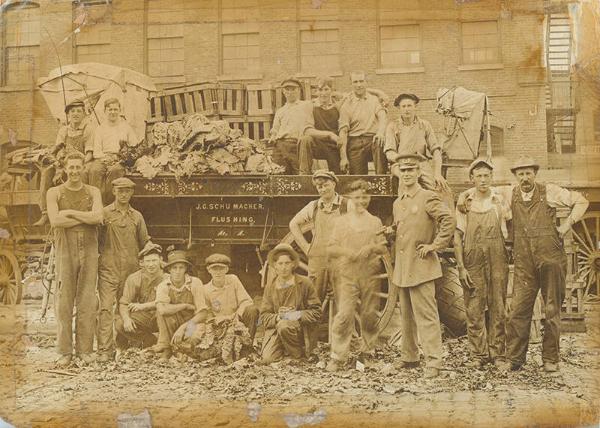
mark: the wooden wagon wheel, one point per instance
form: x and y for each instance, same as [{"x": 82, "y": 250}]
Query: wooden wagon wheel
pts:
[
  {"x": 587, "y": 235},
  {"x": 10, "y": 279},
  {"x": 387, "y": 294}
]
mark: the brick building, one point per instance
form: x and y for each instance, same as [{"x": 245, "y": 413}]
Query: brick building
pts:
[{"x": 492, "y": 46}]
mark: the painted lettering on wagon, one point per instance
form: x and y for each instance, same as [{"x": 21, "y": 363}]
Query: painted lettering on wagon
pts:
[{"x": 220, "y": 206}]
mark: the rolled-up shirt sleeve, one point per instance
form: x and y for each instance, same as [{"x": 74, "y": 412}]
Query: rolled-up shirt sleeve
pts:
[
  {"x": 344, "y": 121},
  {"x": 391, "y": 145},
  {"x": 431, "y": 139},
  {"x": 304, "y": 216},
  {"x": 559, "y": 197},
  {"x": 162, "y": 293},
  {"x": 129, "y": 290}
]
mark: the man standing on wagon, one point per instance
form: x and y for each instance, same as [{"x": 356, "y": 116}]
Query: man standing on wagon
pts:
[
  {"x": 123, "y": 236},
  {"x": 362, "y": 129},
  {"x": 424, "y": 225},
  {"x": 75, "y": 211},
  {"x": 321, "y": 213}
]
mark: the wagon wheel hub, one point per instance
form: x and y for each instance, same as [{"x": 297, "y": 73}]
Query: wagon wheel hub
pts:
[
  {"x": 594, "y": 261},
  {"x": 4, "y": 280}
]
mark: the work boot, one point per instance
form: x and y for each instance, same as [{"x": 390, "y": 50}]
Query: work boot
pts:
[
  {"x": 87, "y": 359},
  {"x": 64, "y": 361},
  {"x": 42, "y": 221},
  {"x": 431, "y": 372},
  {"x": 514, "y": 367},
  {"x": 407, "y": 365},
  {"x": 502, "y": 365},
  {"x": 550, "y": 367},
  {"x": 475, "y": 363},
  {"x": 105, "y": 357},
  {"x": 333, "y": 366}
]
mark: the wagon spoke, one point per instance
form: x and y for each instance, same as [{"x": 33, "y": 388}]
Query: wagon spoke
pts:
[
  {"x": 587, "y": 233},
  {"x": 382, "y": 295},
  {"x": 380, "y": 276},
  {"x": 581, "y": 241},
  {"x": 597, "y": 246}
]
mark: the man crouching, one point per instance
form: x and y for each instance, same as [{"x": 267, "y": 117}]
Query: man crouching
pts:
[
  {"x": 179, "y": 300},
  {"x": 137, "y": 307},
  {"x": 290, "y": 308}
]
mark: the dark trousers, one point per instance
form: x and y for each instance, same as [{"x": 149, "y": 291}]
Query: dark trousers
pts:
[
  {"x": 540, "y": 263},
  {"x": 318, "y": 148},
  {"x": 100, "y": 173},
  {"x": 250, "y": 319},
  {"x": 285, "y": 154},
  {"x": 145, "y": 327},
  {"x": 363, "y": 149}
]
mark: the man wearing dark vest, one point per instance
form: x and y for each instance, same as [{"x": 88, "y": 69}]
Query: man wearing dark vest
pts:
[
  {"x": 76, "y": 136},
  {"x": 540, "y": 260},
  {"x": 321, "y": 214},
  {"x": 75, "y": 211}
]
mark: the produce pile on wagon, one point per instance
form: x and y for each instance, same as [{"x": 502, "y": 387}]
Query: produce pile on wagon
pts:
[
  {"x": 194, "y": 145},
  {"x": 197, "y": 145}
]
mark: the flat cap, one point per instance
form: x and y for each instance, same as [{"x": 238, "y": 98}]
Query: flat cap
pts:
[
  {"x": 323, "y": 173},
  {"x": 291, "y": 81},
  {"x": 122, "y": 182},
  {"x": 401, "y": 97},
  {"x": 409, "y": 160},
  {"x": 480, "y": 161},
  {"x": 74, "y": 104},
  {"x": 150, "y": 248},
  {"x": 217, "y": 259},
  {"x": 524, "y": 161},
  {"x": 283, "y": 249}
]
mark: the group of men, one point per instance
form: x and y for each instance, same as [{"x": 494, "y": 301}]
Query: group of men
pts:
[{"x": 161, "y": 305}]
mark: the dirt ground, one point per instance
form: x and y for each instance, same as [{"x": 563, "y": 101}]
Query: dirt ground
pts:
[{"x": 292, "y": 394}]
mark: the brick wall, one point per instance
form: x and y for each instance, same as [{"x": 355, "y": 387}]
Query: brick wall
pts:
[{"x": 515, "y": 90}]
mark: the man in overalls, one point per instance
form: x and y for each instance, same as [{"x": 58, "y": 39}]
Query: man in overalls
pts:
[
  {"x": 179, "y": 303},
  {"x": 76, "y": 136},
  {"x": 479, "y": 241},
  {"x": 321, "y": 214},
  {"x": 540, "y": 260},
  {"x": 122, "y": 237},
  {"x": 75, "y": 211}
]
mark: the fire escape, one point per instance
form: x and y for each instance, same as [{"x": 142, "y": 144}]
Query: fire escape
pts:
[{"x": 560, "y": 106}]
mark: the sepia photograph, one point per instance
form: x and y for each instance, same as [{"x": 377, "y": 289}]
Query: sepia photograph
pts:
[{"x": 295, "y": 213}]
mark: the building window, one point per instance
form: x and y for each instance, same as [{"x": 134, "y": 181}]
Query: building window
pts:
[
  {"x": 319, "y": 51},
  {"x": 165, "y": 45},
  {"x": 240, "y": 37},
  {"x": 480, "y": 43},
  {"x": 496, "y": 140},
  {"x": 20, "y": 55},
  {"x": 400, "y": 46},
  {"x": 92, "y": 41}
]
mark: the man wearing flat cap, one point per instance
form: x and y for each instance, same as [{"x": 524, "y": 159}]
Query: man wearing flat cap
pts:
[
  {"x": 411, "y": 134},
  {"x": 76, "y": 136},
  {"x": 136, "y": 324},
  {"x": 180, "y": 304},
  {"x": 320, "y": 216},
  {"x": 482, "y": 260},
  {"x": 540, "y": 261},
  {"x": 362, "y": 129},
  {"x": 290, "y": 309},
  {"x": 122, "y": 237},
  {"x": 288, "y": 126},
  {"x": 225, "y": 297},
  {"x": 424, "y": 225}
]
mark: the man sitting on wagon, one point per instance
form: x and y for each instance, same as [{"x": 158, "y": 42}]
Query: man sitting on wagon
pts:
[
  {"x": 290, "y": 309},
  {"x": 137, "y": 321},
  {"x": 179, "y": 299}
]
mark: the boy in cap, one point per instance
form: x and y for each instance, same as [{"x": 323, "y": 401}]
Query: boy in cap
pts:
[
  {"x": 179, "y": 303},
  {"x": 122, "y": 237},
  {"x": 225, "y": 297},
  {"x": 353, "y": 248},
  {"x": 75, "y": 211},
  {"x": 320, "y": 214},
  {"x": 411, "y": 134},
  {"x": 424, "y": 225},
  {"x": 137, "y": 307},
  {"x": 76, "y": 135},
  {"x": 539, "y": 258},
  {"x": 288, "y": 126},
  {"x": 481, "y": 257},
  {"x": 290, "y": 309},
  {"x": 362, "y": 129}
]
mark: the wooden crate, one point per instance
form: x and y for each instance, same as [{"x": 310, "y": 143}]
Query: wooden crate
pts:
[
  {"x": 202, "y": 98},
  {"x": 260, "y": 100},
  {"x": 231, "y": 99},
  {"x": 174, "y": 101},
  {"x": 156, "y": 112},
  {"x": 254, "y": 127}
]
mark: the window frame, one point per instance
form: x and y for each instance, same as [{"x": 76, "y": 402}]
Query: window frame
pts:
[
  {"x": 328, "y": 26},
  {"x": 480, "y": 66}
]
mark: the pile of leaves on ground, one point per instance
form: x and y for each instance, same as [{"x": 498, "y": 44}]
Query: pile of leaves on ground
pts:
[{"x": 197, "y": 145}]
